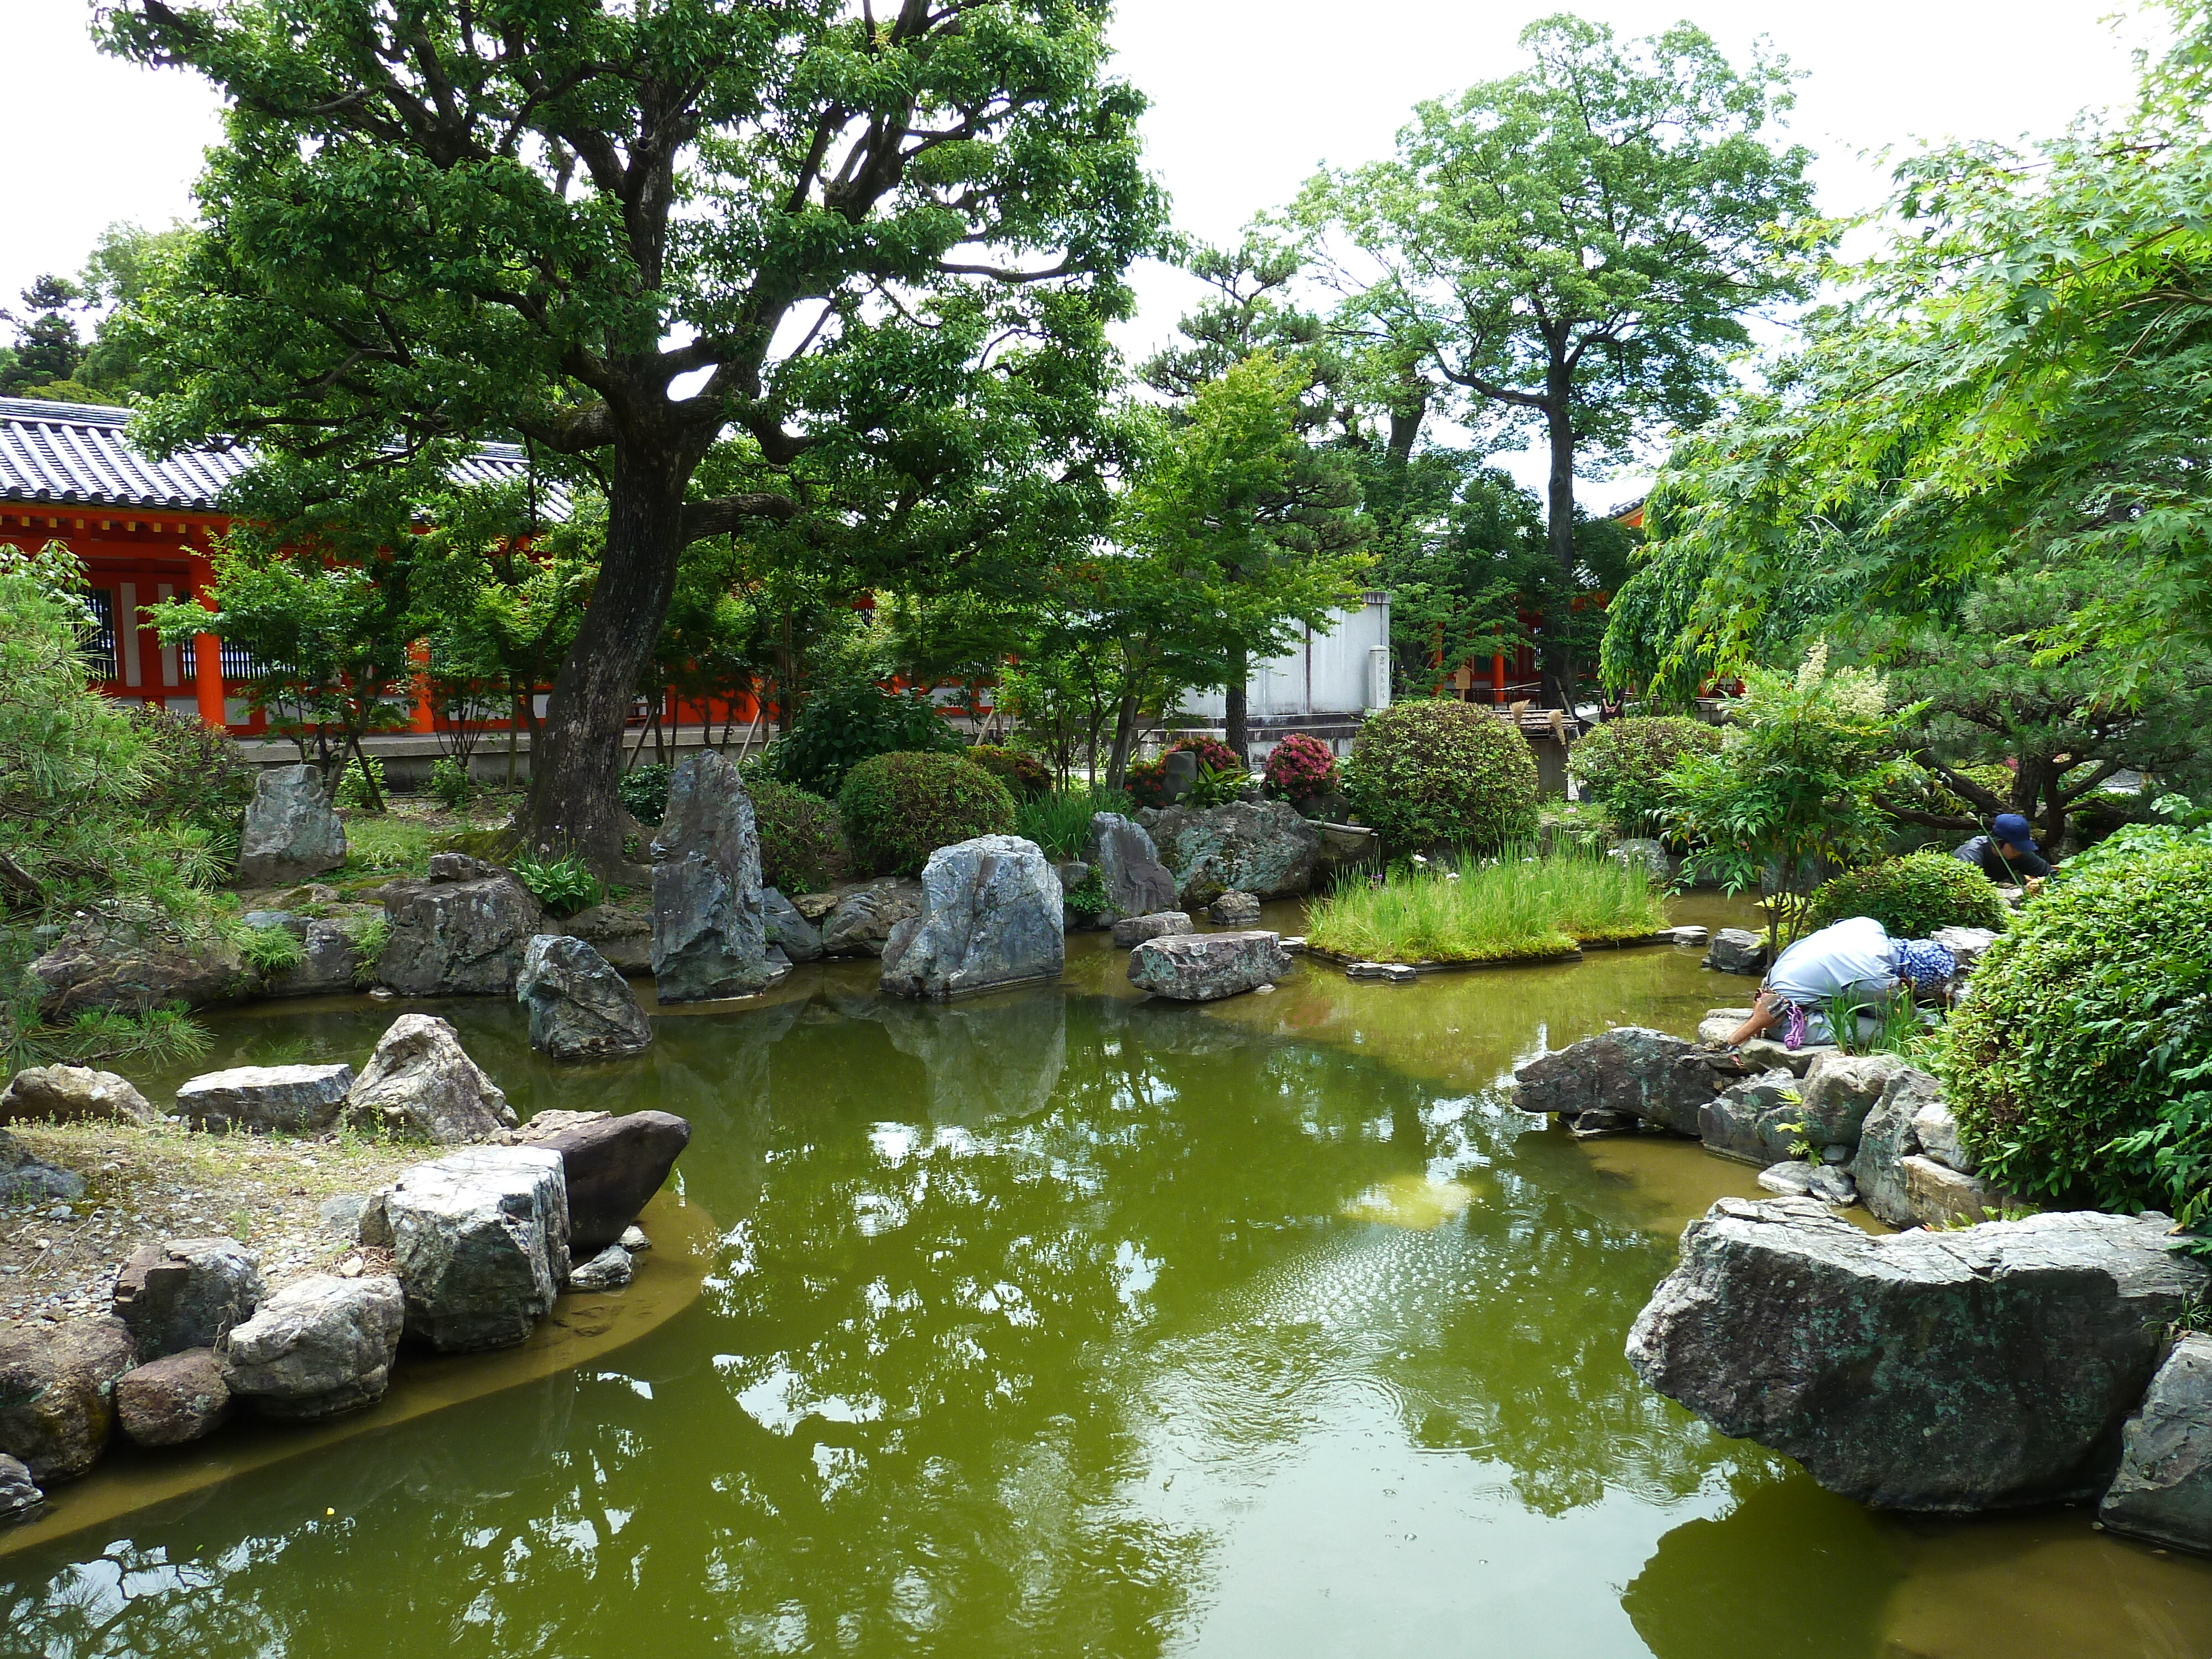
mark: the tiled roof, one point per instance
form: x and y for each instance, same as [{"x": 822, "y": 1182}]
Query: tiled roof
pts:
[{"x": 78, "y": 455}]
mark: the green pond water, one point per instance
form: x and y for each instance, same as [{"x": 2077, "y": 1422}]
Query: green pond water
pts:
[{"x": 1067, "y": 1322}]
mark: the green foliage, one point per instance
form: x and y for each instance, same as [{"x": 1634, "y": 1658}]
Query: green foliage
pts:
[
  {"x": 1217, "y": 786},
  {"x": 1513, "y": 906},
  {"x": 2081, "y": 1065},
  {"x": 1795, "y": 786},
  {"x": 1442, "y": 774},
  {"x": 1893, "y": 1026},
  {"x": 1620, "y": 765},
  {"x": 1026, "y": 777},
  {"x": 1090, "y": 899},
  {"x": 197, "y": 780},
  {"x": 1060, "y": 822},
  {"x": 388, "y": 841},
  {"x": 450, "y": 783},
  {"x": 368, "y": 942},
  {"x": 563, "y": 885},
  {"x": 1910, "y": 897},
  {"x": 268, "y": 951},
  {"x": 897, "y": 809},
  {"x": 157, "y": 1038},
  {"x": 846, "y": 723},
  {"x": 801, "y": 839},
  {"x": 644, "y": 792},
  {"x": 361, "y": 786}
]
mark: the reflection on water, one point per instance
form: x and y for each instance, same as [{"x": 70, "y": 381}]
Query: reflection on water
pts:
[{"x": 1068, "y": 1322}]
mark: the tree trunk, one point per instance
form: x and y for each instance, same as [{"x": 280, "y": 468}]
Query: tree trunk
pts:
[
  {"x": 1560, "y": 676},
  {"x": 1237, "y": 719},
  {"x": 573, "y": 805},
  {"x": 1125, "y": 737}
]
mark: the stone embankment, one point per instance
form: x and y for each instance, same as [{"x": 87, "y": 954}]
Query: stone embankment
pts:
[{"x": 461, "y": 1252}]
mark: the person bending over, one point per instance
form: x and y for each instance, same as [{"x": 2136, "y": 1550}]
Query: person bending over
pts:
[
  {"x": 1855, "y": 958},
  {"x": 2007, "y": 854}
]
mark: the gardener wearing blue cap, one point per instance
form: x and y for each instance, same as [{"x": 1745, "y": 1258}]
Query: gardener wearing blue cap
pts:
[{"x": 2008, "y": 853}]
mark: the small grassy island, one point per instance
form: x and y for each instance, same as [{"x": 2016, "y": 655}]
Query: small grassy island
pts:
[{"x": 1514, "y": 907}]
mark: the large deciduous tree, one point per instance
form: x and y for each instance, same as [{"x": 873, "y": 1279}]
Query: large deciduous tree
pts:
[
  {"x": 1575, "y": 248},
  {"x": 864, "y": 261}
]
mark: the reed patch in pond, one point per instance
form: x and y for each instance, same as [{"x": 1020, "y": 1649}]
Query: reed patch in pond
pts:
[{"x": 1514, "y": 907}]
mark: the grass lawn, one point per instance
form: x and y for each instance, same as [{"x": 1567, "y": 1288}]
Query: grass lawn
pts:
[{"x": 1513, "y": 907}]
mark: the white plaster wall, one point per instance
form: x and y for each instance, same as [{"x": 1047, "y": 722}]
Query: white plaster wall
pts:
[{"x": 1327, "y": 673}]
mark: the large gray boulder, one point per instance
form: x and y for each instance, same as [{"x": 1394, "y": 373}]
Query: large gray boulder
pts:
[
  {"x": 295, "y": 1099},
  {"x": 1966, "y": 946},
  {"x": 798, "y": 938},
  {"x": 2164, "y": 1489},
  {"x": 479, "y": 1240},
  {"x": 1262, "y": 847},
  {"x": 178, "y": 1398},
  {"x": 1204, "y": 967},
  {"x": 291, "y": 830},
  {"x": 1755, "y": 1119},
  {"x": 622, "y": 934},
  {"x": 320, "y": 1345},
  {"x": 1234, "y": 909},
  {"x": 613, "y": 1165},
  {"x": 860, "y": 923},
  {"x": 57, "y": 1394},
  {"x": 1840, "y": 1089},
  {"x": 1954, "y": 1371},
  {"x": 420, "y": 1084},
  {"x": 1129, "y": 866},
  {"x": 1737, "y": 951},
  {"x": 990, "y": 918},
  {"x": 461, "y": 933},
  {"x": 73, "y": 1094},
  {"x": 710, "y": 931},
  {"x": 186, "y": 1293},
  {"x": 19, "y": 1493},
  {"x": 580, "y": 1007},
  {"x": 1631, "y": 1069}
]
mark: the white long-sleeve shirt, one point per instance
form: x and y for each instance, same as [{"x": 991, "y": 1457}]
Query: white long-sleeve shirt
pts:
[{"x": 1853, "y": 953}]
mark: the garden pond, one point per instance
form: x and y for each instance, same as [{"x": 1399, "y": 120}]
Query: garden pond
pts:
[{"x": 1064, "y": 1322}]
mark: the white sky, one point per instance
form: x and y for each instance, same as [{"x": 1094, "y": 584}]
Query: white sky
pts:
[{"x": 1247, "y": 100}]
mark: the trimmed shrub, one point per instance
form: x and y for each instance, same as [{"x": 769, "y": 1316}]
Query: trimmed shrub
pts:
[
  {"x": 2081, "y": 1064},
  {"x": 1618, "y": 766},
  {"x": 899, "y": 808},
  {"x": 1910, "y": 897},
  {"x": 800, "y": 837},
  {"x": 1299, "y": 768},
  {"x": 1147, "y": 780},
  {"x": 1443, "y": 774},
  {"x": 846, "y": 723},
  {"x": 1026, "y": 775}
]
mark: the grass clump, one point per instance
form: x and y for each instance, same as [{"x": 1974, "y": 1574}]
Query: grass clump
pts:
[
  {"x": 1058, "y": 822},
  {"x": 389, "y": 841},
  {"x": 1508, "y": 909},
  {"x": 269, "y": 952}
]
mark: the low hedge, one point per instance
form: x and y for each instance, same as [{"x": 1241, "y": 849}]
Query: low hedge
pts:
[
  {"x": 898, "y": 809},
  {"x": 2080, "y": 1063},
  {"x": 1619, "y": 765},
  {"x": 1441, "y": 773},
  {"x": 1026, "y": 775},
  {"x": 800, "y": 837},
  {"x": 1910, "y": 897}
]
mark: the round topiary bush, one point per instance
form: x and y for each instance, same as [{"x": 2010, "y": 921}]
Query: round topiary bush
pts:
[
  {"x": 799, "y": 836},
  {"x": 898, "y": 809},
  {"x": 847, "y": 721},
  {"x": 2080, "y": 1063},
  {"x": 1910, "y": 897},
  {"x": 1430, "y": 774},
  {"x": 1618, "y": 766},
  {"x": 1026, "y": 775},
  {"x": 1299, "y": 768}
]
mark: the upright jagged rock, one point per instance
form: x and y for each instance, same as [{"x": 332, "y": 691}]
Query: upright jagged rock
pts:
[
  {"x": 461, "y": 933},
  {"x": 1129, "y": 866},
  {"x": 580, "y": 1007},
  {"x": 1954, "y": 1371},
  {"x": 709, "y": 927},
  {"x": 420, "y": 1084},
  {"x": 2164, "y": 1489},
  {"x": 990, "y": 918},
  {"x": 480, "y": 1242},
  {"x": 292, "y": 831}
]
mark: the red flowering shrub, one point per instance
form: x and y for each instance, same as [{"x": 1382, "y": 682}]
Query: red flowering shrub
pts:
[
  {"x": 1300, "y": 767},
  {"x": 1147, "y": 781}
]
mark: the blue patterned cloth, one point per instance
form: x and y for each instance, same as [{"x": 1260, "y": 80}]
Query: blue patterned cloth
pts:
[{"x": 1924, "y": 962}]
